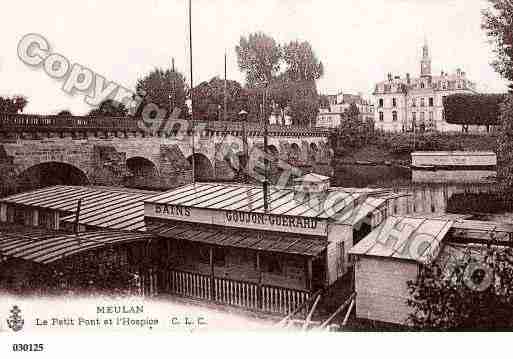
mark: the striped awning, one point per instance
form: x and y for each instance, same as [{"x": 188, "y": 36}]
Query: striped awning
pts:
[
  {"x": 249, "y": 198},
  {"x": 45, "y": 246},
  {"x": 222, "y": 236},
  {"x": 101, "y": 207}
]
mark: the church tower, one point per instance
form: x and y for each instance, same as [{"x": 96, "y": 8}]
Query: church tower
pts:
[{"x": 425, "y": 63}]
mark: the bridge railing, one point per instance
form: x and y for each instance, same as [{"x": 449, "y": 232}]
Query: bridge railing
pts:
[
  {"x": 34, "y": 122},
  {"x": 49, "y": 122}
]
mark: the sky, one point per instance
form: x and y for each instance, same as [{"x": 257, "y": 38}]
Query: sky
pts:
[{"x": 359, "y": 42}]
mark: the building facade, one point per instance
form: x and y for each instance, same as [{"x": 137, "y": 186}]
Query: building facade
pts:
[
  {"x": 416, "y": 103},
  {"x": 333, "y": 116}
]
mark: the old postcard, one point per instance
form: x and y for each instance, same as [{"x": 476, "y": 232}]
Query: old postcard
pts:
[{"x": 191, "y": 167}]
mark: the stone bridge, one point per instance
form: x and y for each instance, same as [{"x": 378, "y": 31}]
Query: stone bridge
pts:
[{"x": 115, "y": 151}]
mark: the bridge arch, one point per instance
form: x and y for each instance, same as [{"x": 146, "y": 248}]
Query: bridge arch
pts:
[
  {"x": 51, "y": 173},
  {"x": 203, "y": 167},
  {"x": 141, "y": 166}
]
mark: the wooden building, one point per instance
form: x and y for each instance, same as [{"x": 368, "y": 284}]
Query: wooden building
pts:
[
  {"x": 217, "y": 241},
  {"x": 388, "y": 258},
  {"x": 223, "y": 245}
]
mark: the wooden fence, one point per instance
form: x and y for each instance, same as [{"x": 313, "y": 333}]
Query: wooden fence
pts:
[{"x": 236, "y": 293}]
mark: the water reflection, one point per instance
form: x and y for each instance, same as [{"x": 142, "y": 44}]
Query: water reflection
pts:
[{"x": 462, "y": 192}]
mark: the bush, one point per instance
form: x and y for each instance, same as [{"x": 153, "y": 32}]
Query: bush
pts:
[{"x": 465, "y": 109}]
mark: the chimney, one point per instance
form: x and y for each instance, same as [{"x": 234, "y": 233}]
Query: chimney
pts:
[
  {"x": 408, "y": 80},
  {"x": 389, "y": 76}
]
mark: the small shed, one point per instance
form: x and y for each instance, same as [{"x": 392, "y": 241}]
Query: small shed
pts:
[{"x": 389, "y": 257}]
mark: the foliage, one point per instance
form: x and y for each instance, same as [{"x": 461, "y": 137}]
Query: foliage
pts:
[
  {"x": 258, "y": 56},
  {"x": 324, "y": 101},
  {"x": 469, "y": 290},
  {"x": 466, "y": 109},
  {"x": 292, "y": 91},
  {"x": 166, "y": 89},
  {"x": 402, "y": 144},
  {"x": 498, "y": 24},
  {"x": 209, "y": 100},
  {"x": 109, "y": 108},
  {"x": 304, "y": 103},
  {"x": 64, "y": 113},
  {"x": 505, "y": 148},
  {"x": 302, "y": 63},
  {"x": 12, "y": 105}
]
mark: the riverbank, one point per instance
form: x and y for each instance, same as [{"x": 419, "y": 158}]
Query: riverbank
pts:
[{"x": 395, "y": 149}]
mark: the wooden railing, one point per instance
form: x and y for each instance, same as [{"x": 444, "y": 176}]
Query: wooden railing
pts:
[{"x": 248, "y": 295}]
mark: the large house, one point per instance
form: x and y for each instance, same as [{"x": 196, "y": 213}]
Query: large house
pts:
[
  {"x": 416, "y": 103},
  {"x": 333, "y": 116}
]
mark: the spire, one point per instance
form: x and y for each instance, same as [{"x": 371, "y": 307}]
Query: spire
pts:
[
  {"x": 425, "y": 63},
  {"x": 425, "y": 49}
]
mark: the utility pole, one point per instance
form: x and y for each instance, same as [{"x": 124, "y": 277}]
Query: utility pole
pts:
[
  {"x": 266, "y": 162},
  {"x": 192, "y": 96},
  {"x": 225, "y": 100}
]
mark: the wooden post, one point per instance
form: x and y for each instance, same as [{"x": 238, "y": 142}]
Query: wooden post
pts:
[
  {"x": 259, "y": 286},
  {"x": 56, "y": 220},
  {"x": 212, "y": 280},
  {"x": 3, "y": 212},
  {"x": 35, "y": 218},
  {"x": 308, "y": 272}
]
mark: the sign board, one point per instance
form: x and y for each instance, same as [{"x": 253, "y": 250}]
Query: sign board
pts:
[{"x": 238, "y": 219}]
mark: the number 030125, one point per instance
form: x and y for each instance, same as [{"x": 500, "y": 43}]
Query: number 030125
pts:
[{"x": 28, "y": 347}]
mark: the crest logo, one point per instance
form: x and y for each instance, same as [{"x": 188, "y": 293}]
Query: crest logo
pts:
[{"x": 15, "y": 321}]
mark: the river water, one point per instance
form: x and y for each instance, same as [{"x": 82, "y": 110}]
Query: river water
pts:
[{"x": 472, "y": 192}]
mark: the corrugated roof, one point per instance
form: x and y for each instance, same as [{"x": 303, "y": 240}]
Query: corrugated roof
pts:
[
  {"x": 45, "y": 246},
  {"x": 407, "y": 238},
  {"x": 102, "y": 207},
  {"x": 222, "y": 236},
  {"x": 246, "y": 198}
]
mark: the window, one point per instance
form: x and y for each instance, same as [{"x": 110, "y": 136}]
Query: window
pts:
[
  {"x": 394, "y": 116},
  {"x": 381, "y": 116},
  {"x": 414, "y": 117},
  {"x": 219, "y": 257},
  {"x": 204, "y": 255},
  {"x": 394, "y": 102},
  {"x": 431, "y": 102},
  {"x": 273, "y": 264},
  {"x": 431, "y": 116},
  {"x": 422, "y": 117},
  {"x": 414, "y": 102},
  {"x": 422, "y": 102},
  {"x": 380, "y": 102},
  {"x": 422, "y": 85}
]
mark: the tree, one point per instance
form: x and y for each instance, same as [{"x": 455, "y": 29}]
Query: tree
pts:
[
  {"x": 302, "y": 63},
  {"x": 64, "y": 113},
  {"x": 109, "y": 108},
  {"x": 324, "y": 101},
  {"x": 467, "y": 288},
  {"x": 466, "y": 109},
  {"x": 498, "y": 24},
  {"x": 166, "y": 89},
  {"x": 13, "y": 105},
  {"x": 505, "y": 148},
  {"x": 209, "y": 99},
  {"x": 258, "y": 56}
]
